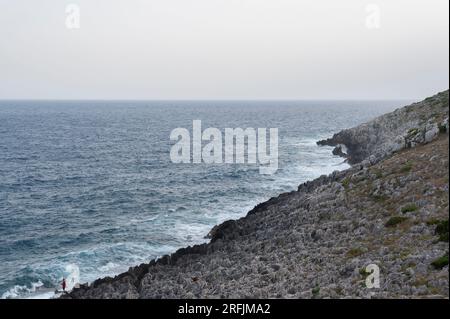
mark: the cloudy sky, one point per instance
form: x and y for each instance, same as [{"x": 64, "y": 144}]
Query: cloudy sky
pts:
[{"x": 223, "y": 49}]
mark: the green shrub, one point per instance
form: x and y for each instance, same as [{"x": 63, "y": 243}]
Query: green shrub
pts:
[
  {"x": 406, "y": 168},
  {"x": 315, "y": 291},
  {"x": 442, "y": 230},
  {"x": 433, "y": 221},
  {"x": 363, "y": 272},
  {"x": 440, "y": 262},
  {"x": 380, "y": 198},
  {"x": 394, "y": 221},
  {"x": 409, "y": 208},
  {"x": 378, "y": 173},
  {"x": 354, "y": 252},
  {"x": 413, "y": 131},
  {"x": 345, "y": 182}
]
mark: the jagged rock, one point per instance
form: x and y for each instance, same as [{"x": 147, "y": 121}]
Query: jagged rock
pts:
[{"x": 431, "y": 132}]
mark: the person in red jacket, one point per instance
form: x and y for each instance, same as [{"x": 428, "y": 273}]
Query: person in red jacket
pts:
[{"x": 63, "y": 284}]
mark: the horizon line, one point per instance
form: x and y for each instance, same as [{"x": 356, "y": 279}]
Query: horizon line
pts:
[{"x": 202, "y": 99}]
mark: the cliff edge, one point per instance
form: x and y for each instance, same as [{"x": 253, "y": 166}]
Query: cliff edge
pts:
[{"x": 411, "y": 125}]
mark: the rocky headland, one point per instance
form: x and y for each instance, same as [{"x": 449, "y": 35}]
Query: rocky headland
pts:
[{"x": 389, "y": 209}]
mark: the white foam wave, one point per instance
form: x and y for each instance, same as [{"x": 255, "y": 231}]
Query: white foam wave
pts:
[
  {"x": 74, "y": 276},
  {"x": 19, "y": 290}
]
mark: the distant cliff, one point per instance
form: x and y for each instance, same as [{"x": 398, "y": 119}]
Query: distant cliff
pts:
[
  {"x": 405, "y": 127},
  {"x": 389, "y": 209}
]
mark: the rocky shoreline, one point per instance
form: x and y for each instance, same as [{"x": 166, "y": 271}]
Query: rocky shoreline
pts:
[{"x": 390, "y": 209}]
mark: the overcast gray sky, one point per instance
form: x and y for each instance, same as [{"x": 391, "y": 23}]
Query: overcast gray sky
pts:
[{"x": 224, "y": 49}]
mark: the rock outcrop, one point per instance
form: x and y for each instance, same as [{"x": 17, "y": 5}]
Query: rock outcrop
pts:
[
  {"x": 405, "y": 127},
  {"x": 390, "y": 209}
]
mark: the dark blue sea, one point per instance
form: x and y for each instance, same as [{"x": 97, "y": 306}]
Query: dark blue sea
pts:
[{"x": 87, "y": 189}]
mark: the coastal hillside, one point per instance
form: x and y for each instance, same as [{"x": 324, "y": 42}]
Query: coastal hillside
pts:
[{"x": 389, "y": 209}]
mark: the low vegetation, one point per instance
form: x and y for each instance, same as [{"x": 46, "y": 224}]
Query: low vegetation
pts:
[
  {"x": 440, "y": 262},
  {"x": 394, "y": 221},
  {"x": 355, "y": 252},
  {"x": 442, "y": 230},
  {"x": 406, "y": 167},
  {"x": 413, "y": 131},
  {"x": 409, "y": 208}
]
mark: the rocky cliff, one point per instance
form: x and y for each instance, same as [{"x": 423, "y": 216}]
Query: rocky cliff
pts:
[
  {"x": 412, "y": 125},
  {"x": 390, "y": 209}
]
